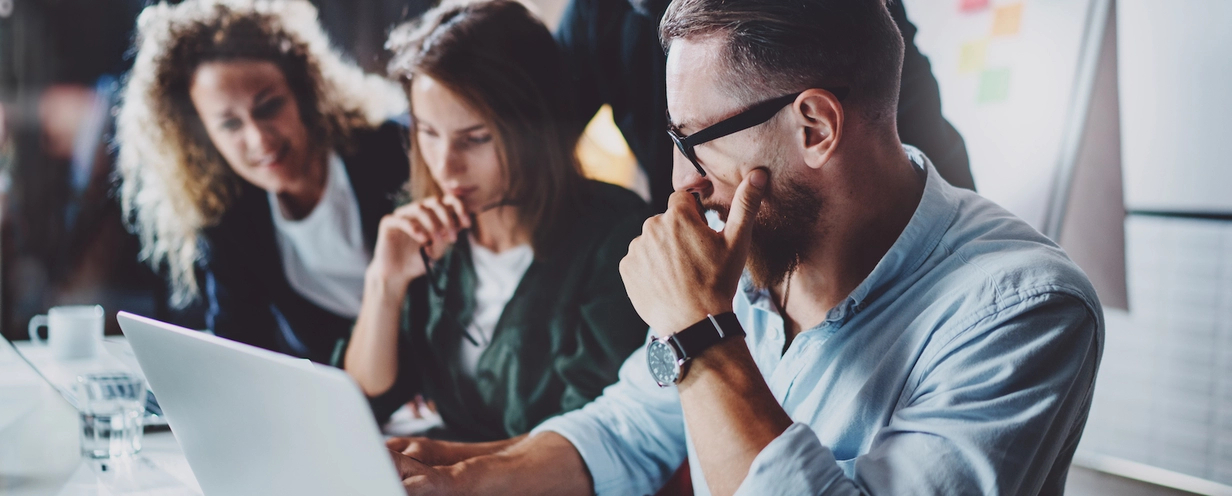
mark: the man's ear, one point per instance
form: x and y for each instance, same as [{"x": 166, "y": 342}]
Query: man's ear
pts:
[{"x": 820, "y": 116}]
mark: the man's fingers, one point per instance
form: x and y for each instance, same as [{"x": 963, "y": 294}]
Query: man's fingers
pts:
[
  {"x": 397, "y": 443},
  {"x": 685, "y": 202},
  {"x": 407, "y": 466},
  {"x": 744, "y": 207}
]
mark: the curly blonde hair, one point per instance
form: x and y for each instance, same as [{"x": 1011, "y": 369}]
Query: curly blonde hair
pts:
[{"x": 174, "y": 183}]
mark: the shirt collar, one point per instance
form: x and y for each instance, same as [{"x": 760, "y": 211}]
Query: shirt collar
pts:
[{"x": 923, "y": 233}]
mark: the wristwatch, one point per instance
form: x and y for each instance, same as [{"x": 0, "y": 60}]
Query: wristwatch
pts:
[{"x": 667, "y": 356}]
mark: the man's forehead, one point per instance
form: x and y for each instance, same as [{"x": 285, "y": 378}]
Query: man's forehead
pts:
[{"x": 694, "y": 92}]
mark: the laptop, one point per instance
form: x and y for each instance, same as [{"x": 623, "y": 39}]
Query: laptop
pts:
[
  {"x": 60, "y": 376},
  {"x": 252, "y": 421}
]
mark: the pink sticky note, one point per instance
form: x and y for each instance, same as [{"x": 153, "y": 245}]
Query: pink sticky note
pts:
[{"x": 972, "y": 5}]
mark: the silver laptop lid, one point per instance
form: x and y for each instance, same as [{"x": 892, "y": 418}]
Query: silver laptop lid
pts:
[{"x": 251, "y": 421}]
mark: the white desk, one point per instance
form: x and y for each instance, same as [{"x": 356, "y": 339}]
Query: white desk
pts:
[{"x": 39, "y": 446}]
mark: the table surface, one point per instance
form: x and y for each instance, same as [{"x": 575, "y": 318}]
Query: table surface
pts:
[
  {"x": 39, "y": 445},
  {"x": 39, "y": 448}
]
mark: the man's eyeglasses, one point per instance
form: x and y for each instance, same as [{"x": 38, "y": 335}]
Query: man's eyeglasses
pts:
[{"x": 750, "y": 117}]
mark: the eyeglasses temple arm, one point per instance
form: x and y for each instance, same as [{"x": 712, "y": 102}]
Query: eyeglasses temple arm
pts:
[{"x": 758, "y": 114}]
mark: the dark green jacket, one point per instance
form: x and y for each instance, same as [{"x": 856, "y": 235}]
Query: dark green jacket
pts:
[{"x": 560, "y": 341}]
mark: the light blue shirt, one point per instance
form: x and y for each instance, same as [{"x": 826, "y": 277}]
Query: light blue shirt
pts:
[{"x": 963, "y": 364}]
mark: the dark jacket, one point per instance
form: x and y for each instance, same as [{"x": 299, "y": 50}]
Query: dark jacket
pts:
[
  {"x": 614, "y": 55},
  {"x": 249, "y": 299},
  {"x": 560, "y": 340}
]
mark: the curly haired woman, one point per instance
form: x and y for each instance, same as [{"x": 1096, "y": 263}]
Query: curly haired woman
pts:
[{"x": 256, "y": 167}]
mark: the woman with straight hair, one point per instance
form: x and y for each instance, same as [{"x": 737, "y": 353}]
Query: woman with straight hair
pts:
[
  {"x": 496, "y": 292},
  {"x": 255, "y": 166}
]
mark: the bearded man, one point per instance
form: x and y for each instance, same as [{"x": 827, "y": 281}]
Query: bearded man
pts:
[{"x": 859, "y": 326}]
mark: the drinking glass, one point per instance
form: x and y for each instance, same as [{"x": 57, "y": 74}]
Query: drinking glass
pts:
[{"x": 112, "y": 407}]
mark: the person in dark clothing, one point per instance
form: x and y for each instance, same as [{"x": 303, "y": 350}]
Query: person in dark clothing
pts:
[
  {"x": 255, "y": 168},
  {"x": 496, "y": 291},
  {"x": 613, "y": 52},
  {"x": 246, "y": 283}
]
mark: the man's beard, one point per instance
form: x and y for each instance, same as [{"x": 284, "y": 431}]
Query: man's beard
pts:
[{"x": 785, "y": 227}]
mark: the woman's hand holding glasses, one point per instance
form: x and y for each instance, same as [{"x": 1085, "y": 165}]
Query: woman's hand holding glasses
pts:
[{"x": 433, "y": 224}]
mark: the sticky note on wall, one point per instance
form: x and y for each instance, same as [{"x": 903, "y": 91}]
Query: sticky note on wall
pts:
[
  {"x": 972, "y": 5},
  {"x": 994, "y": 86},
  {"x": 971, "y": 59},
  {"x": 1007, "y": 20}
]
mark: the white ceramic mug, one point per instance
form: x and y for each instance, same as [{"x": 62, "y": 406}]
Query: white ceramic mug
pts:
[{"x": 73, "y": 332}]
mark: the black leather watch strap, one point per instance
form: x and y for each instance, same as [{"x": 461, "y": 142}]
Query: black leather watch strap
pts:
[{"x": 696, "y": 338}]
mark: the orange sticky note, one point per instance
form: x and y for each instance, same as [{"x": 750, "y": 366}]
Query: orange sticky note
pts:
[
  {"x": 971, "y": 59},
  {"x": 1007, "y": 20}
]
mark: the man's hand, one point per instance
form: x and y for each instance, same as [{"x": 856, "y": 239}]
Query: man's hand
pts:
[
  {"x": 546, "y": 464},
  {"x": 679, "y": 270},
  {"x": 431, "y": 451},
  {"x": 422, "y": 480}
]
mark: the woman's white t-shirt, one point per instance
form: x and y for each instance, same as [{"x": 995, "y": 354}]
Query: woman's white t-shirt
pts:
[
  {"x": 323, "y": 254},
  {"x": 497, "y": 276}
]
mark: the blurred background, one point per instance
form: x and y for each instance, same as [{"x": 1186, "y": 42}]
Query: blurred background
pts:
[
  {"x": 1100, "y": 122},
  {"x": 61, "y": 62}
]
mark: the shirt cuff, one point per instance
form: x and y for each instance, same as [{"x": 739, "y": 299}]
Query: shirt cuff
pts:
[
  {"x": 795, "y": 463},
  {"x": 603, "y": 463}
]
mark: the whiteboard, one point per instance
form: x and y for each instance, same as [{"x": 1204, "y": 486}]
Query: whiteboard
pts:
[
  {"x": 1015, "y": 78},
  {"x": 1163, "y": 397},
  {"x": 1174, "y": 68}
]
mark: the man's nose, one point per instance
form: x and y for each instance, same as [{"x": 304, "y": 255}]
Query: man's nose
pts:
[{"x": 685, "y": 176}]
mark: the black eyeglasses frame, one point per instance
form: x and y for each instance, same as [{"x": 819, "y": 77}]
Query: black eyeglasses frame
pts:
[{"x": 757, "y": 114}]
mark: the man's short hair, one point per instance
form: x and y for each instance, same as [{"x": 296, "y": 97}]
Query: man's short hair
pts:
[{"x": 774, "y": 47}]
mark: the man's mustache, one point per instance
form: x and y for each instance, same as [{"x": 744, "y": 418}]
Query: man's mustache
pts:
[{"x": 718, "y": 207}]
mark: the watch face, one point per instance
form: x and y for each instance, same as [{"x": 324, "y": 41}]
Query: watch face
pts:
[{"x": 661, "y": 359}]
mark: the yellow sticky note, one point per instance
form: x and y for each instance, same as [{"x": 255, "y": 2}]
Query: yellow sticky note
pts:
[
  {"x": 971, "y": 59},
  {"x": 1007, "y": 20}
]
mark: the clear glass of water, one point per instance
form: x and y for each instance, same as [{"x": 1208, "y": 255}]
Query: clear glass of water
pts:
[{"x": 112, "y": 407}]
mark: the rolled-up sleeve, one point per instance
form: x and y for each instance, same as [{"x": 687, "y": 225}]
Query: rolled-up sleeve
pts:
[
  {"x": 631, "y": 437},
  {"x": 795, "y": 463}
]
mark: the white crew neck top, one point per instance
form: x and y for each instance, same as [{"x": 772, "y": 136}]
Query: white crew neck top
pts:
[
  {"x": 497, "y": 276},
  {"x": 323, "y": 254}
]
